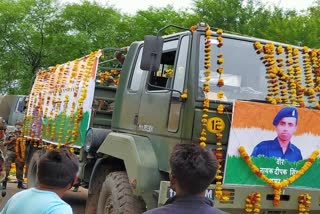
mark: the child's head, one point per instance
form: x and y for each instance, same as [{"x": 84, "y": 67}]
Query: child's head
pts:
[{"x": 58, "y": 168}]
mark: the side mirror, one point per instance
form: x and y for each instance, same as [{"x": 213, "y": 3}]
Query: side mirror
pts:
[{"x": 152, "y": 50}]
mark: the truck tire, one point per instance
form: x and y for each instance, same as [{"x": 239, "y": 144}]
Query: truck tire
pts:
[
  {"x": 116, "y": 196},
  {"x": 32, "y": 169}
]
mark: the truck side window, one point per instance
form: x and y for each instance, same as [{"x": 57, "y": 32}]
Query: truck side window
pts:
[
  {"x": 137, "y": 74},
  {"x": 181, "y": 65},
  {"x": 20, "y": 105},
  {"x": 164, "y": 76}
]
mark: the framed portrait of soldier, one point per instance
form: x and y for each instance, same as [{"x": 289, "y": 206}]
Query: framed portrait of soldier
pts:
[{"x": 278, "y": 139}]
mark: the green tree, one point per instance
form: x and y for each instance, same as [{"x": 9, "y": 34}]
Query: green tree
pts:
[
  {"x": 85, "y": 27},
  {"x": 23, "y": 41},
  {"x": 147, "y": 22}
]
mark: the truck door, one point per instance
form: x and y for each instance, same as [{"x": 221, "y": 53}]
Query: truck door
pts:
[{"x": 160, "y": 109}]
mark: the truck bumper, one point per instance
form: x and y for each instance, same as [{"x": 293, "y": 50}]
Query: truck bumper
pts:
[{"x": 238, "y": 194}]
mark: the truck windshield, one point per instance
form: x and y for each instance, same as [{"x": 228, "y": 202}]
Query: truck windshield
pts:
[{"x": 244, "y": 73}]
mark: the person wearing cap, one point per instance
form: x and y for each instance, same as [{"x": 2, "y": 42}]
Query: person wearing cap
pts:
[
  {"x": 285, "y": 123},
  {"x": 10, "y": 146}
]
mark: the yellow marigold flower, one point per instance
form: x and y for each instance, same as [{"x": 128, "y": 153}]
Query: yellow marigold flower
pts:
[
  {"x": 220, "y": 94},
  {"x": 248, "y": 210},
  {"x": 269, "y": 48},
  {"x": 207, "y": 72},
  {"x": 207, "y": 49},
  {"x": 220, "y": 61},
  {"x": 218, "y": 177},
  {"x": 220, "y": 108},
  {"x": 206, "y": 89},
  {"x": 256, "y": 210},
  {"x": 205, "y": 109},
  {"x": 279, "y": 50},
  {"x": 208, "y": 33},
  {"x": 219, "y": 31},
  {"x": 257, "y": 45},
  {"x": 295, "y": 51},
  {"x": 241, "y": 149},
  {"x": 184, "y": 96},
  {"x": 220, "y": 70},
  {"x": 205, "y": 116},
  {"x": 203, "y": 139},
  {"x": 225, "y": 198},
  {"x": 311, "y": 91},
  {"x": 203, "y": 144}
]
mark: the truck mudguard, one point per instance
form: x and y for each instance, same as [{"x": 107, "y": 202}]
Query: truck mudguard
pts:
[{"x": 139, "y": 159}]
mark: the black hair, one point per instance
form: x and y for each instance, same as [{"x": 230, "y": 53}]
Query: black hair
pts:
[
  {"x": 57, "y": 168},
  {"x": 193, "y": 167}
]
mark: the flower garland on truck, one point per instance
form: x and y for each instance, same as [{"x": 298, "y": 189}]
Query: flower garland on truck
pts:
[{"x": 284, "y": 86}]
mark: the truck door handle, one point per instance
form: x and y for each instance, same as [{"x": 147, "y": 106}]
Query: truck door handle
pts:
[{"x": 135, "y": 119}]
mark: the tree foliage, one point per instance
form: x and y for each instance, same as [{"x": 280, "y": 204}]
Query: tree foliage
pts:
[{"x": 40, "y": 33}]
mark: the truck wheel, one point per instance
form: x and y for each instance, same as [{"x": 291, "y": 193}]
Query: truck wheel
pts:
[
  {"x": 32, "y": 169},
  {"x": 116, "y": 196}
]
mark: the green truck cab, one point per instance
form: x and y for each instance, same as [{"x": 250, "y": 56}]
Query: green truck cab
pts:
[{"x": 124, "y": 158}]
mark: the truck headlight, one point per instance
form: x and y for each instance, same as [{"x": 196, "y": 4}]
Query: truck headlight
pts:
[{"x": 88, "y": 140}]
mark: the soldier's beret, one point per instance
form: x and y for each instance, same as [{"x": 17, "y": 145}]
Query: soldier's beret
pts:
[{"x": 285, "y": 112}]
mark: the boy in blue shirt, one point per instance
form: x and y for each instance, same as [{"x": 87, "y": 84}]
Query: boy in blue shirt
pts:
[{"x": 56, "y": 174}]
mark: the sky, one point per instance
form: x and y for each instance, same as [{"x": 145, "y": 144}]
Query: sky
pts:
[{"x": 131, "y": 6}]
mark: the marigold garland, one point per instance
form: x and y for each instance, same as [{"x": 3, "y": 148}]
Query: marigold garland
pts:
[
  {"x": 206, "y": 104},
  {"x": 253, "y": 203},
  {"x": 272, "y": 69},
  {"x": 304, "y": 201},
  {"x": 20, "y": 149},
  {"x": 111, "y": 78},
  {"x": 277, "y": 186},
  {"x": 292, "y": 84},
  {"x": 48, "y": 91},
  {"x": 298, "y": 77},
  {"x": 220, "y": 110},
  {"x": 206, "y": 87}
]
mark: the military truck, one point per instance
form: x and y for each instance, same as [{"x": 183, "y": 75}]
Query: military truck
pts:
[
  {"x": 128, "y": 130},
  {"x": 12, "y": 108}
]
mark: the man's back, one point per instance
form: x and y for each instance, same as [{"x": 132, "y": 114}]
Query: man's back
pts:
[
  {"x": 187, "y": 205},
  {"x": 33, "y": 201}
]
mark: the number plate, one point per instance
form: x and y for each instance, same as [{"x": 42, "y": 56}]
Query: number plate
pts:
[{"x": 209, "y": 193}]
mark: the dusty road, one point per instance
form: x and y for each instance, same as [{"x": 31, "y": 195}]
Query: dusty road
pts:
[{"x": 77, "y": 200}]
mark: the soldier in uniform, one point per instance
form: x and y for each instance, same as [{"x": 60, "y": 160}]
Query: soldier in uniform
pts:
[
  {"x": 285, "y": 123},
  {"x": 10, "y": 146}
]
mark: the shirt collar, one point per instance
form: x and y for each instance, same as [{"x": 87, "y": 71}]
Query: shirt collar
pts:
[
  {"x": 290, "y": 146},
  {"x": 188, "y": 199}
]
